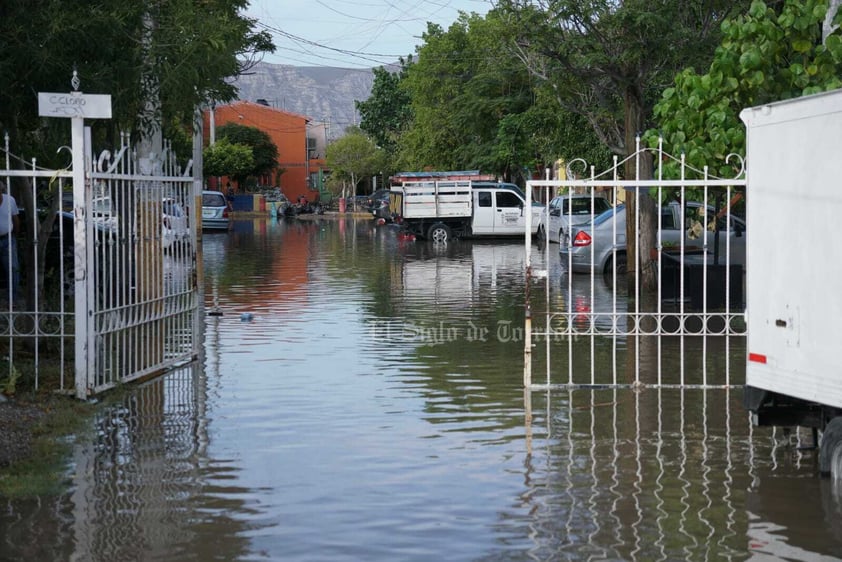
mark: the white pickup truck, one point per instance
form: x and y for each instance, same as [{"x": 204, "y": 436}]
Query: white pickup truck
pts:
[{"x": 443, "y": 209}]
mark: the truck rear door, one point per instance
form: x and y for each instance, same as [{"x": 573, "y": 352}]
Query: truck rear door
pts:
[
  {"x": 483, "y": 220},
  {"x": 509, "y": 217}
]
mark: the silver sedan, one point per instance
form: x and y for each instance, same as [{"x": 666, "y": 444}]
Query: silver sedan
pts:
[{"x": 597, "y": 246}]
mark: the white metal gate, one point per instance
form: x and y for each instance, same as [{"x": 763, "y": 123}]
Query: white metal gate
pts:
[
  {"x": 591, "y": 324},
  {"x": 141, "y": 282},
  {"x": 121, "y": 249}
]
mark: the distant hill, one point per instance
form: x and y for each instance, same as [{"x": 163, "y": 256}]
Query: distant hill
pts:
[{"x": 321, "y": 93}]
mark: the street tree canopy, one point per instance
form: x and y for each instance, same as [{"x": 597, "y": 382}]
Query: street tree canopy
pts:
[
  {"x": 766, "y": 55},
  {"x": 462, "y": 85},
  {"x": 609, "y": 61},
  {"x": 194, "y": 49},
  {"x": 353, "y": 157},
  {"x": 263, "y": 149},
  {"x": 387, "y": 112},
  {"x": 224, "y": 158}
]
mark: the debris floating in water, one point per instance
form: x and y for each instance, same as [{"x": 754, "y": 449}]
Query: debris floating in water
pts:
[{"x": 246, "y": 317}]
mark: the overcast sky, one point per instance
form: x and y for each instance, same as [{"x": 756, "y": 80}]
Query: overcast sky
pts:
[{"x": 352, "y": 33}]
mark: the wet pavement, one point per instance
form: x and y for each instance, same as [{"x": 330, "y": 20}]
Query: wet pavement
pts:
[{"x": 360, "y": 398}]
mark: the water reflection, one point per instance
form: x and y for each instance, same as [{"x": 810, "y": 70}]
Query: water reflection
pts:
[
  {"x": 310, "y": 433},
  {"x": 671, "y": 474}
]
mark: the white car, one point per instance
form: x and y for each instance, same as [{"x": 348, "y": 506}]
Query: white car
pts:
[
  {"x": 573, "y": 210},
  {"x": 214, "y": 210},
  {"x": 174, "y": 224},
  {"x": 174, "y": 228}
]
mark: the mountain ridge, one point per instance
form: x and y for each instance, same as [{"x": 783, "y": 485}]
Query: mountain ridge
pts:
[{"x": 321, "y": 93}]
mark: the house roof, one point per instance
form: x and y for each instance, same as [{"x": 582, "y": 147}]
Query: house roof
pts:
[{"x": 260, "y": 107}]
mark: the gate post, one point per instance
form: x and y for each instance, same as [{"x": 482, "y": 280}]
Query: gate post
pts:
[
  {"x": 80, "y": 262},
  {"x": 77, "y": 106}
]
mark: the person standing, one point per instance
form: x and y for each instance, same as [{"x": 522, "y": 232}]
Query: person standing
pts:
[
  {"x": 9, "y": 226},
  {"x": 230, "y": 197}
]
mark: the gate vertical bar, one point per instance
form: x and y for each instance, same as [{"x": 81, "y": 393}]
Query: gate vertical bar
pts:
[
  {"x": 195, "y": 218},
  {"x": 527, "y": 339},
  {"x": 80, "y": 262}
]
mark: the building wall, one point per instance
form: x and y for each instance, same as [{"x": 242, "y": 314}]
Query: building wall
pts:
[{"x": 287, "y": 130}]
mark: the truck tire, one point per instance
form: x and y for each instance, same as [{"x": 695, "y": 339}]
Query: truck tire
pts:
[
  {"x": 830, "y": 451},
  {"x": 439, "y": 232}
]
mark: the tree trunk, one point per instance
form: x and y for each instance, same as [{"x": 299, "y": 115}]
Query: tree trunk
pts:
[
  {"x": 640, "y": 208},
  {"x": 828, "y": 26}
]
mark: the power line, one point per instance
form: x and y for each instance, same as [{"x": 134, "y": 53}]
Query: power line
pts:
[
  {"x": 356, "y": 54},
  {"x": 363, "y": 22}
]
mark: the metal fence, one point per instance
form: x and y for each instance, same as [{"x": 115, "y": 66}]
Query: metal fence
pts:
[
  {"x": 664, "y": 307},
  {"x": 105, "y": 290}
]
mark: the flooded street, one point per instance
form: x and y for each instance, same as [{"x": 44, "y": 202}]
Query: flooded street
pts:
[{"x": 361, "y": 398}]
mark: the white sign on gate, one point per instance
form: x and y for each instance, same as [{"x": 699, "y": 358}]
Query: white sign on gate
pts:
[{"x": 74, "y": 104}]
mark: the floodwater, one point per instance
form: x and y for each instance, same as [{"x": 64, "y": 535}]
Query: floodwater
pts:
[{"x": 360, "y": 398}]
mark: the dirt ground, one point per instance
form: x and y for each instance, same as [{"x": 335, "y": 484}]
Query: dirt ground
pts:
[{"x": 17, "y": 423}]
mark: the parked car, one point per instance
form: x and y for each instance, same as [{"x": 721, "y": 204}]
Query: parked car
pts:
[
  {"x": 379, "y": 205},
  {"x": 607, "y": 233},
  {"x": 572, "y": 210},
  {"x": 590, "y": 247},
  {"x": 732, "y": 237},
  {"x": 360, "y": 202},
  {"x": 175, "y": 229},
  {"x": 214, "y": 211},
  {"x": 376, "y": 199}
]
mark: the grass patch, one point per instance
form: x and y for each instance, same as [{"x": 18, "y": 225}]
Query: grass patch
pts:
[{"x": 41, "y": 468}]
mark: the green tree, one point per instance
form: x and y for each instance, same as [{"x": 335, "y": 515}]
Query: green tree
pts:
[
  {"x": 387, "y": 111},
  {"x": 766, "y": 55},
  {"x": 263, "y": 149},
  {"x": 224, "y": 158},
  {"x": 462, "y": 85},
  {"x": 353, "y": 157},
  {"x": 608, "y": 61},
  {"x": 475, "y": 106},
  {"x": 196, "y": 47},
  {"x": 544, "y": 133}
]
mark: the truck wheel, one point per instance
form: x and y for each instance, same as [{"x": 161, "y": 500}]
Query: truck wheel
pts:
[
  {"x": 439, "y": 232},
  {"x": 830, "y": 451}
]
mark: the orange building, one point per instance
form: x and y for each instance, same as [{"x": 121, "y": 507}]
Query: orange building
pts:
[{"x": 289, "y": 132}]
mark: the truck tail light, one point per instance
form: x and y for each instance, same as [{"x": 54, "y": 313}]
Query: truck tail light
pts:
[
  {"x": 582, "y": 238},
  {"x": 757, "y": 358}
]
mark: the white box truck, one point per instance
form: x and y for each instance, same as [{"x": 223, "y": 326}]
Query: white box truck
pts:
[
  {"x": 794, "y": 269},
  {"x": 441, "y": 209}
]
